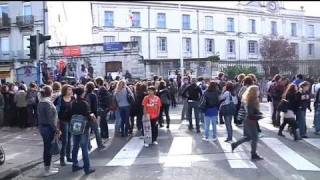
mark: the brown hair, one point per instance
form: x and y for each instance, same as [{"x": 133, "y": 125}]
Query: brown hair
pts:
[
  {"x": 56, "y": 86},
  {"x": 250, "y": 96},
  {"x": 65, "y": 89},
  {"x": 247, "y": 81},
  {"x": 229, "y": 86},
  {"x": 212, "y": 86},
  {"x": 46, "y": 91},
  {"x": 291, "y": 89}
]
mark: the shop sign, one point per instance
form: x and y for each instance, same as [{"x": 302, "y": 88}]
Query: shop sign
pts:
[{"x": 71, "y": 51}]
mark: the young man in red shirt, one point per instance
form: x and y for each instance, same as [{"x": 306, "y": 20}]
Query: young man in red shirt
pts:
[{"x": 152, "y": 105}]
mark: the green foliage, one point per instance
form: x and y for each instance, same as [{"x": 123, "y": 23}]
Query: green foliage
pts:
[
  {"x": 214, "y": 58},
  {"x": 232, "y": 71}
]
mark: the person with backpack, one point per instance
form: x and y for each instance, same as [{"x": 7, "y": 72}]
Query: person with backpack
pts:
[
  {"x": 211, "y": 108},
  {"x": 48, "y": 127},
  {"x": 193, "y": 94},
  {"x": 289, "y": 109},
  {"x": 21, "y": 103},
  {"x": 63, "y": 107},
  {"x": 203, "y": 86},
  {"x": 228, "y": 108},
  {"x": 81, "y": 111},
  {"x": 104, "y": 105},
  {"x": 32, "y": 100},
  {"x": 164, "y": 95},
  {"x": 93, "y": 104},
  {"x": 317, "y": 113}
]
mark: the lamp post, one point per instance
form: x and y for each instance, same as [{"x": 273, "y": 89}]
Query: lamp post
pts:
[{"x": 181, "y": 46}]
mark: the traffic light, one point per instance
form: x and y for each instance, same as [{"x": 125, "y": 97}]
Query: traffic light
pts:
[
  {"x": 33, "y": 47},
  {"x": 43, "y": 38}
]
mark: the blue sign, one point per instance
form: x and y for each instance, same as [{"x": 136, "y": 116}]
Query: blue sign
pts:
[{"x": 113, "y": 46}]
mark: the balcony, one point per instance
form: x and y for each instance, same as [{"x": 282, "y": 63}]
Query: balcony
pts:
[
  {"x": 4, "y": 23},
  {"x": 6, "y": 56},
  {"x": 25, "y": 21}
]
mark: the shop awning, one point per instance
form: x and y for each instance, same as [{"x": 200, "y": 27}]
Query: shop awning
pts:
[{"x": 5, "y": 71}]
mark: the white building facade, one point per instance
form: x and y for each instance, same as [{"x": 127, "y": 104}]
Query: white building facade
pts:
[{"x": 234, "y": 34}]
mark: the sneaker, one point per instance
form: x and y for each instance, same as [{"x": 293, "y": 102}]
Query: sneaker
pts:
[
  {"x": 49, "y": 173},
  {"x": 260, "y": 135},
  {"x": 214, "y": 139},
  {"x": 76, "y": 168},
  {"x": 146, "y": 145},
  {"x": 155, "y": 143},
  {"x": 54, "y": 169},
  {"x": 101, "y": 147},
  {"x": 205, "y": 139},
  {"x": 233, "y": 146},
  {"x": 280, "y": 134},
  {"x": 90, "y": 171},
  {"x": 227, "y": 140},
  {"x": 198, "y": 131},
  {"x": 256, "y": 157},
  {"x": 167, "y": 126},
  {"x": 304, "y": 137},
  {"x": 69, "y": 159},
  {"x": 62, "y": 163}
]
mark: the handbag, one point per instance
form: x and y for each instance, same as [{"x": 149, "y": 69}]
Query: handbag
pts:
[
  {"x": 78, "y": 124},
  {"x": 228, "y": 109},
  {"x": 55, "y": 146}
]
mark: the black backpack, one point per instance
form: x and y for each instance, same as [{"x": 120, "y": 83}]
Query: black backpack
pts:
[{"x": 212, "y": 99}]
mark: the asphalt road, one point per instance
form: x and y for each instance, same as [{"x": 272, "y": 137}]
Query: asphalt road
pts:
[{"x": 182, "y": 154}]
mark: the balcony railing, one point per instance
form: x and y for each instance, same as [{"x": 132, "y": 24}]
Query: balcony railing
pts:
[
  {"x": 6, "y": 56},
  {"x": 23, "y": 21},
  {"x": 4, "y": 22}
]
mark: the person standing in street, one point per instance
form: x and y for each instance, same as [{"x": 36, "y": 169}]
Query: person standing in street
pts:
[
  {"x": 21, "y": 104},
  {"x": 63, "y": 106},
  {"x": 303, "y": 103},
  {"x": 251, "y": 102},
  {"x": 211, "y": 97},
  {"x": 152, "y": 105},
  {"x": 317, "y": 113},
  {"x": 32, "y": 100},
  {"x": 276, "y": 91},
  {"x": 48, "y": 127},
  {"x": 193, "y": 94},
  {"x": 141, "y": 92},
  {"x": 173, "y": 89},
  {"x": 164, "y": 95},
  {"x": 81, "y": 107},
  {"x": 184, "y": 98}
]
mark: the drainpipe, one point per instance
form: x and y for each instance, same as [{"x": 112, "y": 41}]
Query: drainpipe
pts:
[
  {"x": 149, "y": 32},
  {"x": 198, "y": 33}
]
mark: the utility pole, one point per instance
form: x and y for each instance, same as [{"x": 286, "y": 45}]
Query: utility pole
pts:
[
  {"x": 38, "y": 58},
  {"x": 181, "y": 44}
]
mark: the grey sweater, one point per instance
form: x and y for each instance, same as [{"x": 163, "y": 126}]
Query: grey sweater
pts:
[
  {"x": 121, "y": 97},
  {"x": 47, "y": 113}
]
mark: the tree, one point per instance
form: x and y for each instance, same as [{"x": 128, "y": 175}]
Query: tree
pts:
[
  {"x": 232, "y": 71},
  {"x": 278, "y": 56}
]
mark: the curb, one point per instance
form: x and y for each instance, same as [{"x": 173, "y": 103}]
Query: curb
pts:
[{"x": 13, "y": 172}]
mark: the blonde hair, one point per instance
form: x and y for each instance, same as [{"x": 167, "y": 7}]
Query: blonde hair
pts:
[
  {"x": 120, "y": 87},
  {"x": 250, "y": 96}
]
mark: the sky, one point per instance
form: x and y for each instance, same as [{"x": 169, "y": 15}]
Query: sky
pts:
[{"x": 78, "y": 28}]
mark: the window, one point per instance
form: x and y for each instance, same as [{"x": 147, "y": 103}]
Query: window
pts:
[
  {"x": 108, "y": 18},
  {"x": 209, "y": 23},
  {"x": 4, "y": 44},
  {"x": 311, "y": 30},
  {"x": 230, "y": 25},
  {"x": 295, "y": 48},
  {"x": 252, "y": 26},
  {"x": 107, "y": 39},
  {"x": 161, "y": 20},
  {"x": 27, "y": 9},
  {"x": 252, "y": 47},
  {"x": 231, "y": 47},
  {"x": 26, "y": 42},
  {"x": 310, "y": 49},
  {"x": 209, "y": 46},
  {"x": 186, "y": 45},
  {"x": 162, "y": 44},
  {"x": 185, "y": 21},
  {"x": 274, "y": 28},
  {"x": 135, "y": 19},
  {"x": 137, "y": 39},
  {"x": 4, "y": 11},
  {"x": 293, "y": 29}
]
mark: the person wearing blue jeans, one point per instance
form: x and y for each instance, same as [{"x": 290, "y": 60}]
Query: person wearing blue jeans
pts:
[
  {"x": 195, "y": 106},
  {"x": 228, "y": 123},
  {"x": 124, "y": 113},
  {"x": 81, "y": 141},
  {"x": 207, "y": 121},
  {"x": 66, "y": 142},
  {"x": 227, "y": 100},
  {"x": 303, "y": 103},
  {"x": 118, "y": 121},
  {"x": 95, "y": 128},
  {"x": 317, "y": 113}
]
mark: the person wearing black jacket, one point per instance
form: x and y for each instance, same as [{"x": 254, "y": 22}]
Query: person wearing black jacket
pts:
[
  {"x": 289, "y": 115},
  {"x": 141, "y": 92},
  {"x": 317, "y": 113},
  {"x": 303, "y": 103},
  {"x": 164, "y": 95},
  {"x": 93, "y": 104},
  {"x": 193, "y": 94},
  {"x": 81, "y": 107}
]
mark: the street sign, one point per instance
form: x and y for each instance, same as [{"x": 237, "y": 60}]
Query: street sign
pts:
[
  {"x": 71, "y": 51},
  {"x": 113, "y": 46}
]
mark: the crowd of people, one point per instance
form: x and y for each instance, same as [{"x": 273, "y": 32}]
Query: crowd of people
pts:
[{"x": 89, "y": 106}]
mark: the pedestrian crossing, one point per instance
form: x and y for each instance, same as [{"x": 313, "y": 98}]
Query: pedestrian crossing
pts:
[{"x": 180, "y": 150}]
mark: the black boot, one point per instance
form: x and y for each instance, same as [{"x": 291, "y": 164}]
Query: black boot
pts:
[{"x": 256, "y": 157}]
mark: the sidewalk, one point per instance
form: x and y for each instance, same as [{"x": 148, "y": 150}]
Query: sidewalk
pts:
[{"x": 23, "y": 150}]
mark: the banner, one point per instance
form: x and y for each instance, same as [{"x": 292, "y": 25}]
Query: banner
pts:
[
  {"x": 113, "y": 46},
  {"x": 71, "y": 51}
]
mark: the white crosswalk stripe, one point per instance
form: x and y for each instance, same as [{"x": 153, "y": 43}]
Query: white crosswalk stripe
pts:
[
  {"x": 313, "y": 141},
  {"x": 179, "y": 146},
  {"x": 286, "y": 153}
]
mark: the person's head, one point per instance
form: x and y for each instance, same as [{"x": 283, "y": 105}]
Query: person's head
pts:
[
  {"x": 162, "y": 85},
  {"x": 121, "y": 84},
  {"x": 33, "y": 86},
  {"x": 56, "y": 86},
  {"x": 285, "y": 81},
  {"x": 229, "y": 86},
  {"x": 254, "y": 78},
  {"x": 212, "y": 86},
  {"x": 90, "y": 87},
  {"x": 99, "y": 81},
  {"x": 155, "y": 78},
  {"x": 299, "y": 76},
  {"x": 79, "y": 91},
  {"x": 22, "y": 87},
  {"x": 305, "y": 86},
  {"x": 66, "y": 90},
  {"x": 276, "y": 78},
  {"x": 185, "y": 80},
  {"x": 200, "y": 79},
  {"x": 247, "y": 81},
  {"x": 4, "y": 89},
  {"x": 221, "y": 75},
  {"x": 291, "y": 89},
  {"x": 46, "y": 91},
  {"x": 151, "y": 90},
  {"x": 193, "y": 81},
  {"x": 251, "y": 96},
  {"x": 240, "y": 77}
]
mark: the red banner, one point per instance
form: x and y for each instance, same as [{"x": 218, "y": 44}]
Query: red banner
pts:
[{"x": 72, "y": 51}]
